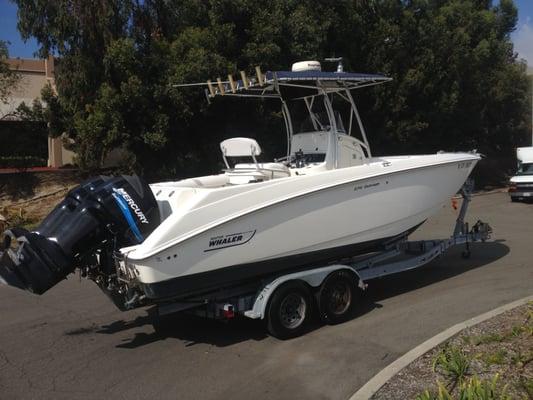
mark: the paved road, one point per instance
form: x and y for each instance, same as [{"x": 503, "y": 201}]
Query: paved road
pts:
[{"x": 71, "y": 343}]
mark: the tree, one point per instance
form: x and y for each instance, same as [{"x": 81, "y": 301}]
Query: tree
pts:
[
  {"x": 457, "y": 83},
  {"x": 8, "y": 78}
]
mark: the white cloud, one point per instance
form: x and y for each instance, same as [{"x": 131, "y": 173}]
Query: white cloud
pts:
[{"x": 523, "y": 42}]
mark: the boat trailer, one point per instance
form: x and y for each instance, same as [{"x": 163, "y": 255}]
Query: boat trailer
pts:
[{"x": 285, "y": 301}]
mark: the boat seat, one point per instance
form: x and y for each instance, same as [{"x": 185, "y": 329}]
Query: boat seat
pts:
[
  {"x": 240, "y": 147},
  {"x": 270, "y": 170},
  {"x": 243, "y": 176}
]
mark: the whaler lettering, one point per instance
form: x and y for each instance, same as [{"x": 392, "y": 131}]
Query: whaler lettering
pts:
[
  {"x": 233, "y": 239},
  {"x": 225, "y": 240}
]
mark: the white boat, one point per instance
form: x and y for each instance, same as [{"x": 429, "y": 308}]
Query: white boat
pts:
[{"x": 326, "y": 199}]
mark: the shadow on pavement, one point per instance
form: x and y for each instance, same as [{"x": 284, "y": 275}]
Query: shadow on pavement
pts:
[
  {"x": 195, "y": 330},
  {"x": 189, "y": 329},
  {"x": 450, "y": 265}
]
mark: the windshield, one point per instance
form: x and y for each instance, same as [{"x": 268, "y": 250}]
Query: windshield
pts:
[
  {"x": 525, "y": 169},
  {"x": 320, "y": 122}
]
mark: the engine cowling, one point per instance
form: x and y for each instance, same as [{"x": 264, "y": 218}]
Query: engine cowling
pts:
[{"x": 103, "y": 212}]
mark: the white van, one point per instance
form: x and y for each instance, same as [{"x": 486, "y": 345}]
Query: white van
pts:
[{"x": 521, "y": 187}]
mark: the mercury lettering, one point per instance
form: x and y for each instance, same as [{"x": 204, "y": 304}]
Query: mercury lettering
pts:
[{"x": 136, "y": 209}]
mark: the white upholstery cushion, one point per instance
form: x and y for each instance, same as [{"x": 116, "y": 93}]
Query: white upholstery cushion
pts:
[
  {"x": 240, "y": 147},
  {"x": 268, "y": 166}
]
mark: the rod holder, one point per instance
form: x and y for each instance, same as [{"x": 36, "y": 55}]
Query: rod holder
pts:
[
  {"x": 232, "y": 84},
  {"x": 244, "y": 80},
  {"x": 260, "y": 77},
  {"x": 221, "y": 87},
  {"x": 211, "y": 88}
]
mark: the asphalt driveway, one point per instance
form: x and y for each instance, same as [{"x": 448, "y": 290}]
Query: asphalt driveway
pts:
[{"x": 72, "y": 343}]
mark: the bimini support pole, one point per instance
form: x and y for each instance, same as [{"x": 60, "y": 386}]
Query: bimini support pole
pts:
[
  {"x": 286, "y": 116},
  {"x": 333, "y": 141},
  {"x": 288, "y": 125},
  {"x": 359, "y": 122}
]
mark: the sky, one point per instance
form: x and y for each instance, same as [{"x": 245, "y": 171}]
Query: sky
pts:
[{"x": 522, "y": 37}]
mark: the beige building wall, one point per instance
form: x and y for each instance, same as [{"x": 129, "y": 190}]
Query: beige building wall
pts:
[{"x": 35, "y": 74}]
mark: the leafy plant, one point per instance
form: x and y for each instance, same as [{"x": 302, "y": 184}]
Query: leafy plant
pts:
[
  {"x": 442, "y": 394},
  {"x": 521, "y": 359},
  {"x": 453, "y": 363},
  {"x": 473, "y": 389},
  {"x": 488, "y": 338},
  {"x": 517, "y": 330},
  {"x": 497, "y": 357}
]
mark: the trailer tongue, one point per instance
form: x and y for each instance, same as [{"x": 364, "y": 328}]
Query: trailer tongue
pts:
[{"x": 83, "y": 231}]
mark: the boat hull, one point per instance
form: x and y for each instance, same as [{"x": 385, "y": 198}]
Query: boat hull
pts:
[
  {"x": 344, "y": 219},
  {"x": 189, "y": 285}
]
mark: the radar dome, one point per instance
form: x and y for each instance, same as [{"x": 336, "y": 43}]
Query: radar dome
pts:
[{"x": 306, "y": 66}]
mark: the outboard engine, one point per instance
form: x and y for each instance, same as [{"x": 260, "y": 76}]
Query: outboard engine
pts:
[{"x": 95, "y": 219}]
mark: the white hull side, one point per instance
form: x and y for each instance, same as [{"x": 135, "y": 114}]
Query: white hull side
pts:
[{"x": 363, "y": 210}]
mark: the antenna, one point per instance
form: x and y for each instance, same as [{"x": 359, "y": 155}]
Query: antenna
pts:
[{"x": 340, "y": 67}]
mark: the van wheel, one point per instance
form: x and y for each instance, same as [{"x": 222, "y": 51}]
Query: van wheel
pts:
[
  {"x": 337, "y": 297},
  {"x": 289, "y": 310}
]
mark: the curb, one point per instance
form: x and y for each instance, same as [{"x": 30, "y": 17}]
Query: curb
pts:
[{"x": 382, "y": 377}]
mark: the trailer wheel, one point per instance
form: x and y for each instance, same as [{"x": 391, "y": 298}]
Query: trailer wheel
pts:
[
  {"x": 289, "y": 310},
  {"x": 338, "y": 297}
]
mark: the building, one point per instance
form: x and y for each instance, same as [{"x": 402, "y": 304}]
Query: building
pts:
[{"x": 34, "y": 75}]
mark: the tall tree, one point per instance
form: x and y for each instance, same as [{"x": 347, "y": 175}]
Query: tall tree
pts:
[
  {"x": 457, "y": 83},
  {"x": 8, "y": 78}
]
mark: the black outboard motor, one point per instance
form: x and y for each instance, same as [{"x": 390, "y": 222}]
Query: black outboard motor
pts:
[{"x": 97, "y": 217}]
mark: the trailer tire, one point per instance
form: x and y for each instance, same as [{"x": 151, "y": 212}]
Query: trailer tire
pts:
[
  {"x": 337, "y": 297},
  {"x": 289, "y": 310}
]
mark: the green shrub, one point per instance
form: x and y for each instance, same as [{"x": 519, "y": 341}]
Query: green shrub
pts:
[{"x": 22, "y": 162}]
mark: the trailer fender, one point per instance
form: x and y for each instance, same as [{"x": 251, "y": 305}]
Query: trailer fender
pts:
[{"x": 313, "y": 278}]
